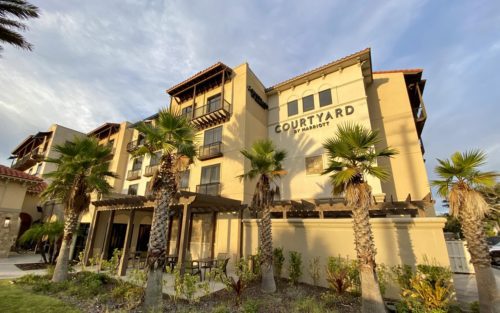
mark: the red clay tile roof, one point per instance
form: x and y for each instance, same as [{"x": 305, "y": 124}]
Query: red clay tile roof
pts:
[
  {"x": 367, "y": 50},
  {"x": 10, "y": 172},
  {"x": 38, "y": 188},
  {"x": 406, "y": 71}
]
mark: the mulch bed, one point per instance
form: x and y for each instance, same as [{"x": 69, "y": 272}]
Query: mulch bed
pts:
[{"x": 31, "y": 266}]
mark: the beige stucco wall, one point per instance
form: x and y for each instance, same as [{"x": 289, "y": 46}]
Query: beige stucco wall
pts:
[
  {"x": 31, "y": 201},
  {"x": 397, "y": 240},
  {"x": 391, "y": 115},
  {"x": 348, "y": 89}
]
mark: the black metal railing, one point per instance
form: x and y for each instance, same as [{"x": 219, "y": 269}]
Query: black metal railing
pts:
[
  {"x": 211, "y": 108},
  {"x": 150, "y": 170},
  {"x": 134, "y": 144},
  {"x": 212, "y": 189},
  {"x": 133, "y": 174},
  {"x": 210, "y": 151}
]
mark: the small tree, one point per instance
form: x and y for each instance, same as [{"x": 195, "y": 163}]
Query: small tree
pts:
[
  {"x": 48, "y": 233},
  {"x": 459, "y": 178}
]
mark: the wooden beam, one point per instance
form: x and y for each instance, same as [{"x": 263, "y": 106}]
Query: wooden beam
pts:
[
  {"x": 89, "y": 245},
  {"x": 183, "y": 238},
  {"x": 122, "y": 268},
  {"x": 107, "y": 236}
]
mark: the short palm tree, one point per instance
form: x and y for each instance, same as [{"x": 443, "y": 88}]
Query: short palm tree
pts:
[
  {"x": 265, "y": 165},
  {"x": 174, "y": 136},
  {"x": 9, "y": 27},
  {"x": 351, "y": 157},
  {"x": 50, "y": 233},
  {"x": 82, "y": 168},
  {"x": 459, "y": 178}
]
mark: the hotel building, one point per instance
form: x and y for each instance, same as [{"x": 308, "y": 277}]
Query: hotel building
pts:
[{"x": 231, "y": 109}]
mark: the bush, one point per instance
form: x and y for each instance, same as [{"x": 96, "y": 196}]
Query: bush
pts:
[
  {"x": 85, "y": 285},
  {"x": 129, "y": 295},
  {"x": 279, "y": 260},
  {"x": 427, "y": 289},
  {"x": 383, "y": 276},
  {"x": 244, "y": 276},
  {"x": 295, "y": 267},
  {"x": 342, "y": 274},
  {"x": 314, "y": 270},
  {"x": 251, "y": 306},
  {"x": 221, "y": 308},
  {"x": 111, "y": 265}
]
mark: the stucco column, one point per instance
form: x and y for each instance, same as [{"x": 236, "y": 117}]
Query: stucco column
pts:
[
  {"x": 122, "y": 269},
  {"x": 186, "y": 214},
  {"x": 89, "y": 244}
]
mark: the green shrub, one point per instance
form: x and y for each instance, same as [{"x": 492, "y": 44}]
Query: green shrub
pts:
[
  {"x": 308, "y": 305},
  {"x": 474, "y": 307},
  {"x": 50, "y": 270},
  {"x": 221, "y": 308},
  {"x": 111, "y": 265},
  {"x": 314, "y": 270},
  {"x": 251, "y": 306},
  {"x": 427, "y": 289},
  {"x": 244, "y": 276},
  {"x": 278, "y": 260},
  {"x": 342, "y": 274},
  {"x": 30, "y": 279},
  {"x": 383, "y": 277},
  {"x": 127, "y": 294},
  {"x": 295, "y": 267},
  {"x": 86, "y": 285}
]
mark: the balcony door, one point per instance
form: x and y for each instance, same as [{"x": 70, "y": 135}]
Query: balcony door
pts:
[
  {"x": 214, "y": 103},
  {"x": 210, "y": 178},
  {"x": 212, "y": 136}
]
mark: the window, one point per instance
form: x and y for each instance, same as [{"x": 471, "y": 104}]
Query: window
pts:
[
  {"x": 213, "y": 103},
  {"x": 325, "y": 97},
  {"x": 132, "y": 189},
  {"x": 187, "y": 111},
  {"x": 212, "y": 135},
  {"x": 293, "y": 108},
  {"x": 210, "y": 174},
  {"x": 308, "y": 103},
  {"x": 314, "y": 165},
  {"x": 137, "y": 164},
  {"x": 184, "y": 179},
  {"x": 155, "y": 159}
]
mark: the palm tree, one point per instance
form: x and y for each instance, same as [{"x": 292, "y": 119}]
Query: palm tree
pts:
[
  {"x": 265, "y": 165},
  {"x": 351, "y": 157},
  {"x": 174, "y": 136},
  {"x": 82, "y": 168},
  {"x": 459, "y": 178},
  {"x": 50, "y": 233},
  {"x": 9, "y": 27}
]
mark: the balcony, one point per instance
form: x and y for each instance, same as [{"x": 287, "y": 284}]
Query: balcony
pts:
[
  {"x": 150, "y": 170},
  {"x": 134, "y": 145},
  {"x": 213, "y": 150},
  {"x": 211, "y": 114},
  {"x": 133, "y": 174},
  {"x": 28, "y": 160},
  {"x": 212, "y": 189}
]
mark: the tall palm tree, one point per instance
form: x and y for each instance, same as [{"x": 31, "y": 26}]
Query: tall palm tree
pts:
[
  {"x": 82, "y": 168},
  {"x": 174, "y": 136},
  {"x": 351, "y": 157},
  {"x": 9, "y": 27},
  {"x": 265, "y": 165},
  {"x": 459, "y": 178}
]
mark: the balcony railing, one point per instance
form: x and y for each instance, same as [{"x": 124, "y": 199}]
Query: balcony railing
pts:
[
  {"x": 133, "y": 174},
  {"x": 134, "y": 145},
  {"x": 211, "y": 114},
  {"x": 150, "y": 170},
  {"x": 28, "y": 160},
  {"x": 212, "y": 189},
  {"x": 213, "y": 150}
]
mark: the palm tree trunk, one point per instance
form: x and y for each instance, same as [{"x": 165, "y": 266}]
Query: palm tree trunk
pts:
[
  {"x": 61, "y": 269},
  {"x": 358, "y": 197},
  {"x": 472, "y": 227},
  {"x": 156, "y": 260},
  {"x": 268, "y": 283}
]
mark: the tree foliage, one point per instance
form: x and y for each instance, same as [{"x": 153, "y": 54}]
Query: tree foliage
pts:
[{"x": 11, "y": 11}]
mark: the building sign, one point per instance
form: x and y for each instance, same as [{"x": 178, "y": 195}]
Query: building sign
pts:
[
  {"x": 313, "y": 121},
  {"x": 257, "y": 98}
]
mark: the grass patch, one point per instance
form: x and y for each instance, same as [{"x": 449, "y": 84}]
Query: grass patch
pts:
[{"x": 16, "y": 299}]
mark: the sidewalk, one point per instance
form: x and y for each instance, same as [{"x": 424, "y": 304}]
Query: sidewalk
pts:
[{"x": 9, "y": 270}]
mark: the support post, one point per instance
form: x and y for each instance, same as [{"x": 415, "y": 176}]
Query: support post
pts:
[
  {"x": 89, "y": 245},
  {"x": 107, "y": 236},
  {"x": 214, "y": 230},
  {"x": 122, "y": 269},
  {"x": 186, "y": 214},
  {"x": 240, "y": 235}
]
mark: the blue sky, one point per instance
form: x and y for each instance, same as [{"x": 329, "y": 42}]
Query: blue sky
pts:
[{"x": 97, "y": 61}]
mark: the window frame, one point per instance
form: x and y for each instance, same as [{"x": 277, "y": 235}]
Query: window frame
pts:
[
  {"x": 211, "y": 132},
  {"x": 132, "y": 187},
  {"x": 205, "y": 168},
  {"x": 291, "y": 104},
  {"x": 304, "y": 109},
  {"x": 322, "y": 104}
]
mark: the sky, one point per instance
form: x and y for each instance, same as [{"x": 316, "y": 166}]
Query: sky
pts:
[{"x": 107, "y": 61}]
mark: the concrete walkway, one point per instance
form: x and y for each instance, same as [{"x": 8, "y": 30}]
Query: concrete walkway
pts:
[
  {"x": 9, "y": 270},
  {"x": 466, "y": 288}
]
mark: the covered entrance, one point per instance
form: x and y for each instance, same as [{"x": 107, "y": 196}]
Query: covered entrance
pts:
[{"x": 191, "y": 235}]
